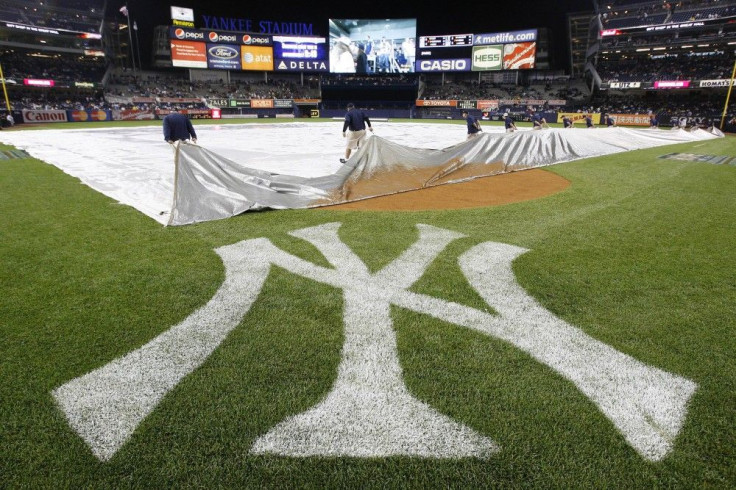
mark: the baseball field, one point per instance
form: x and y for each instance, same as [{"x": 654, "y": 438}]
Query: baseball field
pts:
[{"x": 576, "y": 332}]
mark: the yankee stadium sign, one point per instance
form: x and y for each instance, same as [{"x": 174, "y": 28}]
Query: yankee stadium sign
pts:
[
  {"x": 369, "y": 412},
  {"x": 260, "y": 26}
]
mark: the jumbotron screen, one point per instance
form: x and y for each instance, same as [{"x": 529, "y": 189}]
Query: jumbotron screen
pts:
[
  {"x": 372, "y": 46},
  {"x": 228, "y": 50},
  {"x": 511, "y": 50}
]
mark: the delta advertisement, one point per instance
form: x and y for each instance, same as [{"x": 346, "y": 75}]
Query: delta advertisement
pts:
[
  {"x": 300, "y": 53},
  {"x": 224, "y": 50}
]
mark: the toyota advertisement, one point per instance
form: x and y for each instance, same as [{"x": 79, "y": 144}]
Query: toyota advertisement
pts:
[
  {"x": 225, "y": 50},
  {"x": 512, "y": 50}
]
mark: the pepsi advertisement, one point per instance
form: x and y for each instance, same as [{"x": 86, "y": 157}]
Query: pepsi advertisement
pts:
[{"x": 219, "y": 37}]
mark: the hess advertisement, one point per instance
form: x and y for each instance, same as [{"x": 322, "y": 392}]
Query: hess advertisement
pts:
[{"x": 487, "y": 57}]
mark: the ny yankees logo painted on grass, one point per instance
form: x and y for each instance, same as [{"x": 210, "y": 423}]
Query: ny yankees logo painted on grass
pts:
[{"x": 369, "y": 412}]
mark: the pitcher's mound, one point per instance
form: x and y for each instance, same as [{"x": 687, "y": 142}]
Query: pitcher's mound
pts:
[{"x": 485, "y": 191}]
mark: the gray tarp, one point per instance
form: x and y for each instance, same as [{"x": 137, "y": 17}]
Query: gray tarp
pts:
[{"x": 209, "y": 187}]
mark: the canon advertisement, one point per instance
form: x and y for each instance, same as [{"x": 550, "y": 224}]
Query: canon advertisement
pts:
[
  {"x": 225, "y": 50},
  {"x": 512, "y": 50}
]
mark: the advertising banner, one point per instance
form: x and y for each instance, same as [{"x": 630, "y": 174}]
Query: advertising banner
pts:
[
  {"x": 218, "y": 102},
  {"x": 35, "y": 82},
  {"x": 624, "y": 85},
  {"x": 186, "y": 34},
  {"x": 487, "y": 58},
  {"x": 283, "y": 103},
  {"x": 519, "y": 56},
  {"x": 307, "y": 101},
  {"x": 631, "y": 119},
  {"x": 300, "y": 65},
  {"x": 89, "y": 115},
  {"x": 299, "y": 48},
  {"x": 223, "y": 56},
  {"x": 672, "y": 84},
  {"x": 42, "y": 116},
  {"x": 466, "y": 104},
  {"x": 714, "y": 83},
  {"x": 256, "y": 40},
  {"x": 436, "y": 103},
  {"x": 522, "y": 102},
  {"x": 487, "y": 105},
  {"x": 261, "y": 103},
  {"x": 579, "y": 117},
  {"x": 180, "y": 100},
  {"x": 300, "y": 53},
  {"x": 455, "y": 64},
  {"x": 188, "y": 54},
  {"x": 190, "y": 113},
  {"x": 528, "y": 35},
  {"x": 258, "y": 58},
  {"x": 221, "y": 37},
  {"x": 133, "y": 115}
]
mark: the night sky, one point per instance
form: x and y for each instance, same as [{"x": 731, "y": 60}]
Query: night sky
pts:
[{"x": 455, "y": 17}]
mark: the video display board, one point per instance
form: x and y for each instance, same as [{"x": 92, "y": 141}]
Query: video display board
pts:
[
  {"x": 372, "y": 46},
  {"x": 227, "y": 50},
  {"x": 510, "y": 50}
]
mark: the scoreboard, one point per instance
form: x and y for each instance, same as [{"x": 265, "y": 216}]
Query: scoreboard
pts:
[
  {"x": 446, "y": 41},
  {"x": 512, "y": 50}
]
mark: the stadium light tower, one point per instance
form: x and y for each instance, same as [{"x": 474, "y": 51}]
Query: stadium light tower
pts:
[
  {"x": 5, "y": 90},
  {"x": 728, "y": 95},
  {"x": 126, "y": 13},
  {"x": 137, "y": 45}
]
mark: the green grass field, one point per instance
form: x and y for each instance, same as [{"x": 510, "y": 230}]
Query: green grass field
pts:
[{"x": 639, "y": 253}]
